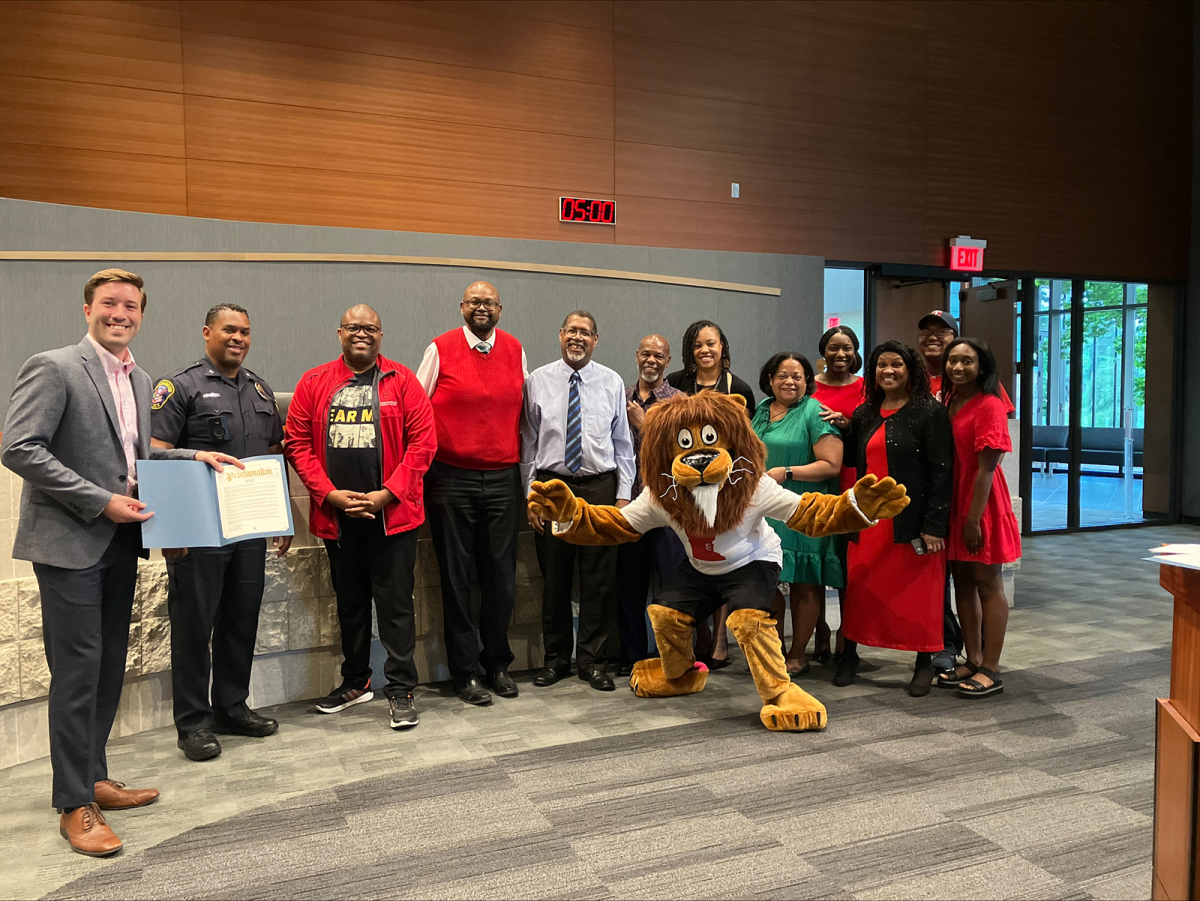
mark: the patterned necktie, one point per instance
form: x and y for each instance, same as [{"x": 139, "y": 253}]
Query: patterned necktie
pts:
[
  {"x": 574, "y": 427},
  {"x": 484, "y": 347}
]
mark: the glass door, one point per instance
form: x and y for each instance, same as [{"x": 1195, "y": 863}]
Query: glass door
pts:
[{"x": 1049, "y": 379}]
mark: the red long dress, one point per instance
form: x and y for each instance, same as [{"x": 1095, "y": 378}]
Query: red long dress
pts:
[
  {"x": 893, "y": 594},
  {"x": 982, "y": 423},
  {"x": 845, "y": 399}
]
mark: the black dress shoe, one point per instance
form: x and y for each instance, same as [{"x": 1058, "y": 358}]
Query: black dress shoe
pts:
[
  {"x": 549, "y": 675},
  {"x": 200, "y": 745},
  {"x": 846, "y": 669},
  {"x": 246, "y": 723},
  {"x": 597, "y": 678},
  {"x": 502, "y": 684},
  {"x": 472, "y": 692},
  {"x": 625, "y": 669}
]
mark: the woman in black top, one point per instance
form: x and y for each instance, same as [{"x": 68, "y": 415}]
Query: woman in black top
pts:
[
  {"x": 896, "y": 571},
  {"x": 706, "y": 368},
  {"x": 706, "y": 364}
]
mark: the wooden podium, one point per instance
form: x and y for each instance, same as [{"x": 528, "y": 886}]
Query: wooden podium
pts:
[{"x": 1177, "y": 748}]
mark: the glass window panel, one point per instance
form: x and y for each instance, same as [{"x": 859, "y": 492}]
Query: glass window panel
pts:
[{"x": 845, "y": 290}]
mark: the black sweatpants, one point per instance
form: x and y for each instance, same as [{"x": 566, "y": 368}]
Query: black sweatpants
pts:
[
  {"x": 85, "y": 630},
  {"x": 659, "y": 550},
  {"x": 364, "y": 563},
  {"x": 750, "y": 587},
  {"x": 475, "y": 516},
  {"x": 213, "y": 594},
  {"x": 597, "y": 583}
]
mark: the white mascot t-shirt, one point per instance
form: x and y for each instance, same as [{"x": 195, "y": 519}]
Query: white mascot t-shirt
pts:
[{"x": 752, "y": 539}]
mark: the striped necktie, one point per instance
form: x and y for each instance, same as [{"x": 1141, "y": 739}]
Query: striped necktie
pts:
[
  {"x": 574, "y": 427},
  {"x": 484, "y": 347}
]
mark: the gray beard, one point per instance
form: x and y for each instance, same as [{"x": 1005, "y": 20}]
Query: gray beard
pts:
[{"x": 705, "y": 498}]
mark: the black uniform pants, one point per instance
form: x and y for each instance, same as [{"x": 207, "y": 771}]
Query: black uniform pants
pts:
[
  {"x": 952, "y": 637},
  {"x": 213, "y": 595},
  {"x": 364, "y": 563},
  {"x": 475, "y": 516},
  {"x": 85, "y": 630},
  {"x": 597, "y": 583},
  {"x": 658, "y": 550}
]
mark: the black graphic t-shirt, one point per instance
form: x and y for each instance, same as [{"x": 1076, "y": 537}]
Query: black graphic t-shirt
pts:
[{"x": 352, "y": 443}]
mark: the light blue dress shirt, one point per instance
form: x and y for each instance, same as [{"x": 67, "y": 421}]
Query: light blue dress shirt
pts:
[{"x": 607, "y": 443}]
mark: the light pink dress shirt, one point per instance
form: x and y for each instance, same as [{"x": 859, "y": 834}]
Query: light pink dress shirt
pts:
[{"x": 121, "y": 387}]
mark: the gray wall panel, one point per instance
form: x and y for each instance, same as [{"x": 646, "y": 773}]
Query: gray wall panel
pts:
[{"x": 295, "y": 307}]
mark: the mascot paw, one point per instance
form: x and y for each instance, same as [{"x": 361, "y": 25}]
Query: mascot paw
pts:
[
  {"x": 794, "y": 711},
  {"x": 552, "y": 501},
  {"x": 649, "y": 681},
  {"x": 880, "y": 498}
]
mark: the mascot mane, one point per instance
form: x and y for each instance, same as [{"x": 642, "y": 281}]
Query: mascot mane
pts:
[{"x": 659, "y": 451}]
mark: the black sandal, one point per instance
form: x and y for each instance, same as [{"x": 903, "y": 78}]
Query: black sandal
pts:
[
  {"x": 951, "y": 679},
  {"x": 978, "y": 689}
]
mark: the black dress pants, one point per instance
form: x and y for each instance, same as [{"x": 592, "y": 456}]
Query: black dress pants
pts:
[
  {"x": 658, "y": 550},
  {"x": 597, "y": 583},
  {"x": 475, "y": 516},
  {"x": 85, "y": 629},
  {"x": 364, "y": 563},
  {"x": 750, "y": 587},
  {"x": 213, "y": 594}
]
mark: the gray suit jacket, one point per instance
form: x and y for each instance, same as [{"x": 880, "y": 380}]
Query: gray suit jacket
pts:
[{"x": 63, "y": 437}]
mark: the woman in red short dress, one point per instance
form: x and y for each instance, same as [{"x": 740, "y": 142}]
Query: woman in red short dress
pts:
[
  {"x": 897, "y": 569},
  {"x": 984, "y": 534},
  {"x": 840, "y": 393}
]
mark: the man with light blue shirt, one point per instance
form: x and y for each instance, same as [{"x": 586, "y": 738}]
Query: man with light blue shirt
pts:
[{"x": 574, "y": 428}]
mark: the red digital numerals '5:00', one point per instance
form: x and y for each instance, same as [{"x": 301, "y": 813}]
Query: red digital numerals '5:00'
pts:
[{"x": 577, "y": 209}]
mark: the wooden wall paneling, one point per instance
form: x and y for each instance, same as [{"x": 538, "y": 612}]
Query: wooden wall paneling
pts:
[
  {"x": 164, "y": 13},
  {"x": 90, "y": 116},
  {"x": 117, "y": 181},
  {"x": 475, "y": 37},
  {"x": 132, "y": 50},
  {"x": 578, "y": 13},
  {"x": 1175, "y": 761},
  {"x": 1160, "y": 397},
  {"x": 273, "y": 134},
  {"x": 314, "y": 197},
  {"x": 318, "y": 78}
]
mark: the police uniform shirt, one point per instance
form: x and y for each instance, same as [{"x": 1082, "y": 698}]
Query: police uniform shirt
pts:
[{"x": 198, "y": 408}]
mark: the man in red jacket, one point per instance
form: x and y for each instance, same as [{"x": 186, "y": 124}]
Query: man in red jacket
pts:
[
  {"x": 361, "y": 434},
  {"x": 475, "y": 377}
]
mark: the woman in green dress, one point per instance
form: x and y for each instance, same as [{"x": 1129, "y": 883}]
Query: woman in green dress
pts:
[{"x": 804, "y": 453}]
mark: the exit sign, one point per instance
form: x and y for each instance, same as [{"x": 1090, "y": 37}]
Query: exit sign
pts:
[{"x": 966, "y": 254}]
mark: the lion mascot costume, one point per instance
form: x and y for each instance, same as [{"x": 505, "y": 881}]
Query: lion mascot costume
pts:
[{"x": 705, "y": 475}]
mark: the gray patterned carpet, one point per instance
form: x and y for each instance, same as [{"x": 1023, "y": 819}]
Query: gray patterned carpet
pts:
[{"x": 1044, "y": 792}]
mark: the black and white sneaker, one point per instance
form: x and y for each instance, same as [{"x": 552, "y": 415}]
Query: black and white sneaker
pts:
[
  {"x": 344, "y": 696},
  {"x": 404, "y": 712}
]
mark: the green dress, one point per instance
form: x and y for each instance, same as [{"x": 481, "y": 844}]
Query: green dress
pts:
[{"x": 789, "y": 442}]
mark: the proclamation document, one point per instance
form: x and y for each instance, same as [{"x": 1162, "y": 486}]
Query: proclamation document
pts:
[{"x": 253, "y": 500}]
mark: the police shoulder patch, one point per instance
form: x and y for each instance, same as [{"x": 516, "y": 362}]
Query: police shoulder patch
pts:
[
  {"x": 262, "y": 392},
  {"x": 162, "y": 393}
]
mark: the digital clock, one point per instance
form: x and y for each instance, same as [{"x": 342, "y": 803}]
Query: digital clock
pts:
[{"x": 577, "y": 209}]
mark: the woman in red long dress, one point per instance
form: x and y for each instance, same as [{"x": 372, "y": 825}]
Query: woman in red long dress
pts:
[
  {"x": 839, "y": 392},
  {"x": 897, "y": 570},
  {"x": 984, "y": 534}
]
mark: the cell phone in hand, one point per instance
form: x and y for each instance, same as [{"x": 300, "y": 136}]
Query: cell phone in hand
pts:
[{"x": 918, "y": 545}]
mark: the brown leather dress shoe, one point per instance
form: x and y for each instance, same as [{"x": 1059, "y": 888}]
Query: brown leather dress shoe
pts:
[
  {"x": 85, "y": 829},
  {"x": 115, "y": 796}
]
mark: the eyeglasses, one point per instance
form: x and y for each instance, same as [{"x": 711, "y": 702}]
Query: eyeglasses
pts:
[
  {"x": 578, "y": 333},
  {"x": 940, "y": 332},
  {"x": 482, "y": 304},
  {"x": 355, "y": 329},
  {"x": 785, "y": 376}
]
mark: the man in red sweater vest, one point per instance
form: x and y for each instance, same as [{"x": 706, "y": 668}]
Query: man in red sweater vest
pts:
[{"x": 474, "y": 377}]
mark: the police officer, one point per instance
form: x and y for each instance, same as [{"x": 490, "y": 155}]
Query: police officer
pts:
[{"x": 216, "y": 592}]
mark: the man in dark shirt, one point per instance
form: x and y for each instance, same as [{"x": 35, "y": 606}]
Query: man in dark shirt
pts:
[
  {"x": 214, "y": 593},
  {"x": 361, "y": 436},
  {"x": 659, "y": 548}
]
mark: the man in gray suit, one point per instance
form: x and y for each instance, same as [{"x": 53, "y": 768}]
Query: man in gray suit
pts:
[{"x": 78, "y": 422}]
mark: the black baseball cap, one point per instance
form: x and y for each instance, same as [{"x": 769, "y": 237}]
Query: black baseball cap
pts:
[{"x": 939, "y": 317}]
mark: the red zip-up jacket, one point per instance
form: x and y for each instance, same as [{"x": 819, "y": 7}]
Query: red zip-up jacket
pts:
[{"x": 406, "y": 423}]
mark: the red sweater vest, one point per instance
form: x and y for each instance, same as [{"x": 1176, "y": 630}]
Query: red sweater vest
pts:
[{"x": 477, "y": 402}]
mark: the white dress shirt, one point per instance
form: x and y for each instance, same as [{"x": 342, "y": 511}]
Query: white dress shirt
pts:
[
  {"x": 607, "y": 444},
  {"x": 427, "y": 372},
  {"x": 121, "y": 387}
]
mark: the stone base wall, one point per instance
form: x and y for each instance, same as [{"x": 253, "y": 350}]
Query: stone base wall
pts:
[{"x": 297, "y": 653}]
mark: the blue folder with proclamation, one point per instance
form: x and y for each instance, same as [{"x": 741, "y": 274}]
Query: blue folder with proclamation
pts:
[{"x": 196, "y": 506}]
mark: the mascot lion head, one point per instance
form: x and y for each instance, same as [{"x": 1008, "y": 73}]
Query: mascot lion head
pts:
[{"x": 702, "y": 461}]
